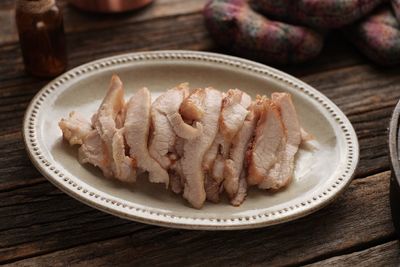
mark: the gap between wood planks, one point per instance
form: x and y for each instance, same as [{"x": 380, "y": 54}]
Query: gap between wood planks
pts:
[
  {"x": 385, "y": 255},
  {"x": 350, "y": 250}
]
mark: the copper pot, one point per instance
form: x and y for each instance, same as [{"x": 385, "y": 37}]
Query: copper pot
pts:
[{"x": 109, "y": 6}]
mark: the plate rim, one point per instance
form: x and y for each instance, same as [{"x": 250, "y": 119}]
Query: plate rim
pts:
[{"x": 102, "y": 201}]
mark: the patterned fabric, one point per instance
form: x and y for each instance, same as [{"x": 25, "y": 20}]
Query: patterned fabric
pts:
[
  {"x": 377, "y": 36},
  {"x": 396, "y": 8},
  {"x": 235, "y": 26},
  {"x": 316, "y": 13}
]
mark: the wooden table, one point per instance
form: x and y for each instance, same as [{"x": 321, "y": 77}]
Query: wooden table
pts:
[{"x": 39, "y": 225}]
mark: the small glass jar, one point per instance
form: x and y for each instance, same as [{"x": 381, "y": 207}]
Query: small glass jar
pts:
[{"x": 41, "y": 35}]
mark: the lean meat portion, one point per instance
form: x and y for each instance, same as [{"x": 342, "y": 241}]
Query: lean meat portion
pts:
[
  {"x": 282, "y": 172},
  {"x": 75, "y": 128},
  {"x": 167, "y": 124},
  {"x": 235, "y": 172},
  {"x": 137, "y": 125},
  {"x": 234, "y": 111},
  {"x": 267, "y": 141},
  {"x": 106, "y": 120},
  {"x": 93, "y": 151},
  {"x": 209, "y": 100}
]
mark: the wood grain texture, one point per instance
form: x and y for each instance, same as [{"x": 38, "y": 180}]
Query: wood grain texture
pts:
[
  {"x": 78, "y": 21},
  {"x": 47, "y": 221},
  {"x": 40, "y": 226},
  {"x": 385, "y": 255}
]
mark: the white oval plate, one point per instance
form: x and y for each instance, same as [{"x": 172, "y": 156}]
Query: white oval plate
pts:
[{"x": 319, "y": 175}]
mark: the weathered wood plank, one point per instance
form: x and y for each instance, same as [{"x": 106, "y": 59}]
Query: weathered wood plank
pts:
[
  {"x": 182, "y": 32},
  {"x": 16, "y": 170},
  {"x": 46, "y": 222},
  {"x": 169, "y": 10},
  {"x": 385, "y": 255},
  {"x": 78, "y": 21}
]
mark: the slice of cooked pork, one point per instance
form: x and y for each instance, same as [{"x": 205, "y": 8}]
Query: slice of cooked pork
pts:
[
  {"x": 168, "y": 124},
  {"x": 241, "y": 194},
  {"x": 192, "y": 107},
  {"x": 234, "y": 111},
  {"x": 214, "y": 180},
  {"x": 125, "y": 167},
  {"x": 75, "y": 128},
  {"x": 93, "y": 151},
  {"x": 281, "y": 174},
  {"x": 235, "y": 163},
  {"x": 112, "y": 105},
  {"x": 262, "y": 154},
  {"x": 233, "y": 114},
  {"x": 105, "y": 120},
  {"x": 137, "y": 124},
  {"x": 209, "y": 101},
  {"x": 162, "y": 139},
  {"x": 212, "y": 153}
]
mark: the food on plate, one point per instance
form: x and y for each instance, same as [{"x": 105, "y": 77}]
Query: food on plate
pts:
[{"x": 200, "y": 143}]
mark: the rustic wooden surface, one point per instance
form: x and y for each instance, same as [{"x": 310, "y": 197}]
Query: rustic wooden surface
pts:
[{"x": 40, "y": 226}]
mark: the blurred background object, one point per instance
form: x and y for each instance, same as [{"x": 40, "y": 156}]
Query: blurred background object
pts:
[
  {"x": 290, "y": 32},
  {"x": 41, "y": 35},
  {"x": 394, "y": 149},
  {"x": 109, "y": 6}
]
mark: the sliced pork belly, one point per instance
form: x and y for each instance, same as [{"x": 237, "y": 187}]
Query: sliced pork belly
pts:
[
  {"x": 125, "y": 167},
  {"x": 104, "y": 120},
  {"x": 75, "y": 128},
  {"x": 241, "y": 193},
  {"x": 93, "y": 151},
  {"x": 233, "y": 114},
  {"x": 212, "y": 153},
  {"x": 110, "y": 113},
  {"x": 234, "y": 165},
  {"x": 214, "y": 179},
  {"x": 100, "y": 146},
  {"x": 167, "y": 124},
  {"x": 162, "y": 140},
  {"x": 192, "y": 107},
  {"x": 282, "y": 172},
  {"x": 262, "y": 154},
  {"x": 209, "y": 101},
  {"x": 137, "y": 124}
]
